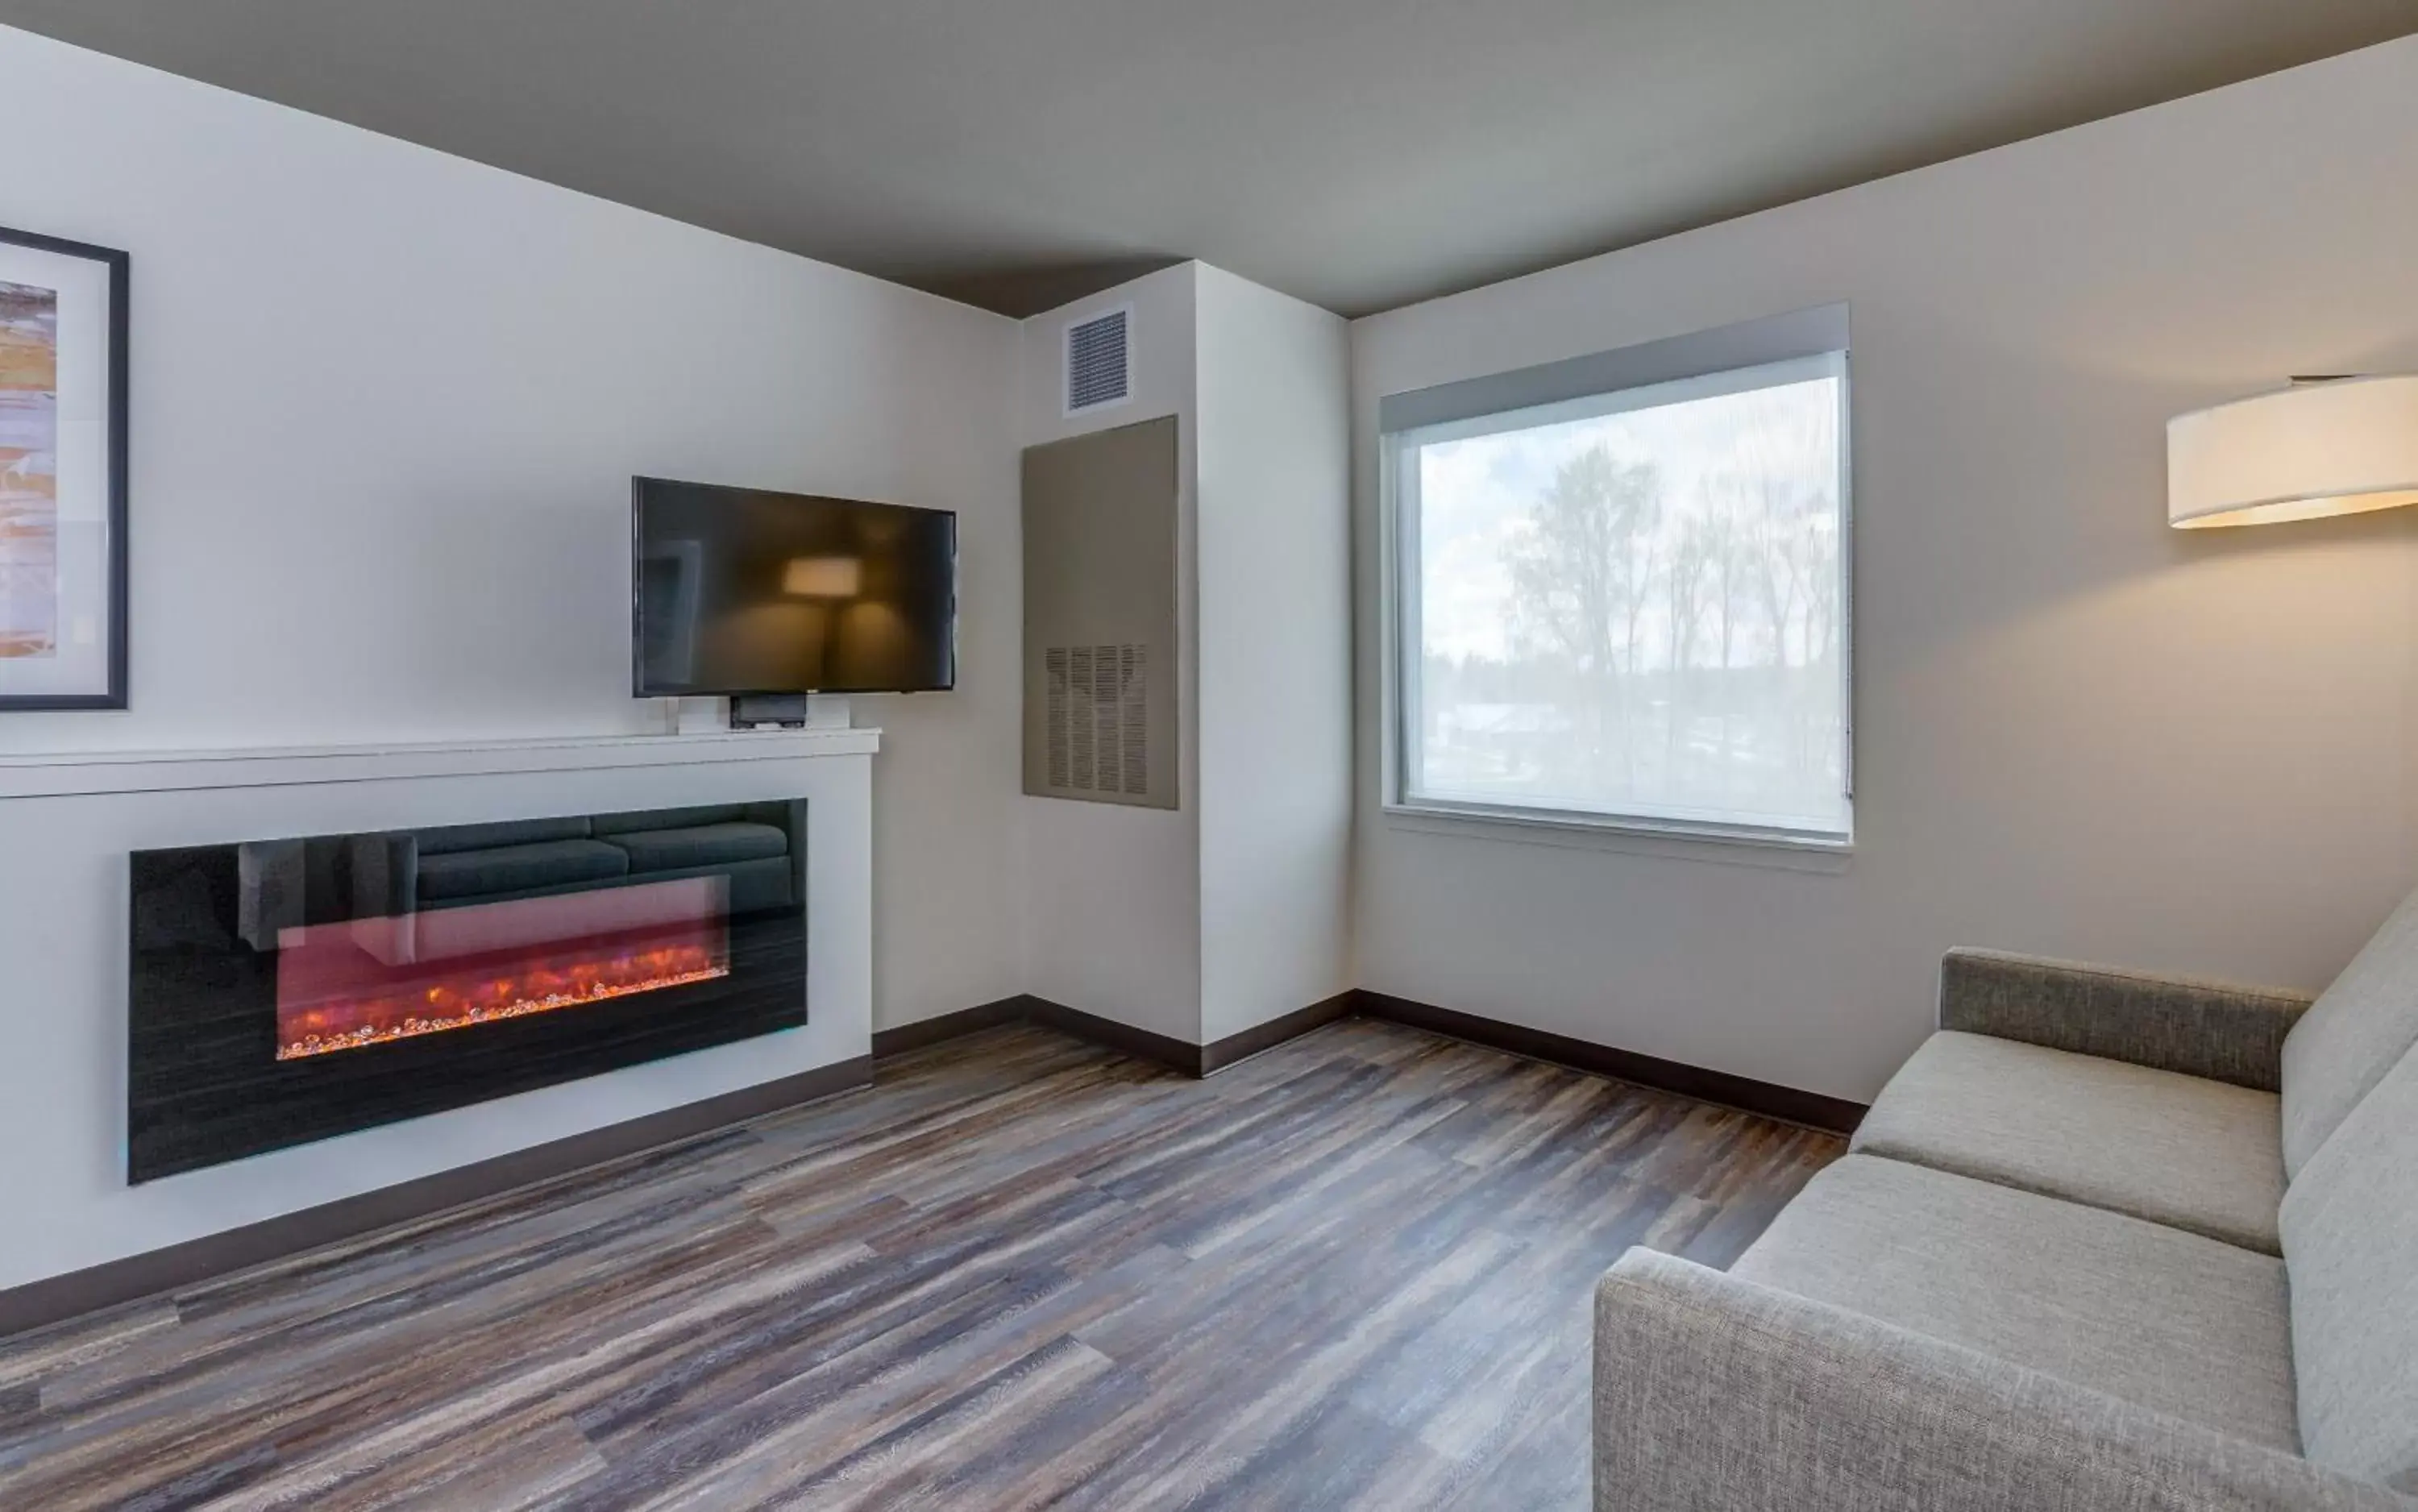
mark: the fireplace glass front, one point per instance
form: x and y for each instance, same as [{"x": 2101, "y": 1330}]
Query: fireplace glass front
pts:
[{"x": 286, "y": 990}]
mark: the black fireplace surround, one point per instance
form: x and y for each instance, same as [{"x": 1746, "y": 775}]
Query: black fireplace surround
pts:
[{"x": 282, "y": 991}]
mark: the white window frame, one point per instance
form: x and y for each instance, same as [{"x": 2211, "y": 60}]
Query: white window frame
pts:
[{"x": 1699, "y": 364}]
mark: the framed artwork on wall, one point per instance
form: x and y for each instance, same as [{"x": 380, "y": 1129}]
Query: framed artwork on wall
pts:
[{"x": 62, "y": 453}]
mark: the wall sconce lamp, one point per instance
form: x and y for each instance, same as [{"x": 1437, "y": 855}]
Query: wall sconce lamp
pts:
[{"x": 2323, "y": 446}]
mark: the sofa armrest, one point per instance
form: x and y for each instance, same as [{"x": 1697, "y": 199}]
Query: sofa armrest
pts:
[
  {"x": 1723, "y": 1396},
  {"x": 385, "y": 875},
  {"x": 788, "y": 816},
  {"x": 2201, "y": 1029},
  {"x": 383, "y": 881}
]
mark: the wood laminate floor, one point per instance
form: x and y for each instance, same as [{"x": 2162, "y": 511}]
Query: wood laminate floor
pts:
[{"x": 1018, "y": 1272}]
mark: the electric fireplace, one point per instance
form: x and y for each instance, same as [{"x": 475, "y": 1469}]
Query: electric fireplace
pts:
[{"x": 288, "y": 990}]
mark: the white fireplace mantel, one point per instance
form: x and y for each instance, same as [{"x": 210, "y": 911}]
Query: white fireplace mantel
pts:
[
  {"x": 88, "y": 774},
  {"x": 68, "y": 822}
]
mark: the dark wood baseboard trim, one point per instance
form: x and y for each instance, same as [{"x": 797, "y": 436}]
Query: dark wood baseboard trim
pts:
[
  {"x": 927, "y": 1031},
  {"x": 1141, "y": 1044},
  {"x": 58, "y": 1298},
  {"x": 1180, "y": 1056},
  {"x": 1769, "y": 1099},
  {"x": 1219, "y": 1054}
]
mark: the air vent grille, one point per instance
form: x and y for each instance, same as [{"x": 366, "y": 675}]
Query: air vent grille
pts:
[
  {"x": 1098, "y": 367},
  {"x": 1099, "y": 719}
]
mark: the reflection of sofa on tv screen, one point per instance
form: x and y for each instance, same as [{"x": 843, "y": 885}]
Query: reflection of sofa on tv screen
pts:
[{"x": 416, "y": 893}]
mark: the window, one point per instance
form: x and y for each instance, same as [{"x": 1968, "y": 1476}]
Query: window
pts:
[{"x": 1629, "y": 606}]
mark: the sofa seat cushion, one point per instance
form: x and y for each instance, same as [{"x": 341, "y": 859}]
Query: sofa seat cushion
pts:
[
  {"x": 2177, "y": 1149},
  {"x": 2170, "y": 1321},
  {"x": 703, "y": 845},
  {"x": 552, "y": 863}
]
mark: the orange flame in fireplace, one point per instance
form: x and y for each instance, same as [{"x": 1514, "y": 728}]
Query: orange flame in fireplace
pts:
[
  {"x": 345, "y": 985},
  {"x": 482, "y": 999}
]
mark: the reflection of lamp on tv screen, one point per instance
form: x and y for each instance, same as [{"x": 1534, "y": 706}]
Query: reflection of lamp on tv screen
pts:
[
  {"x": 823, "y": 577},
  {"x": 736, "y": 592}
]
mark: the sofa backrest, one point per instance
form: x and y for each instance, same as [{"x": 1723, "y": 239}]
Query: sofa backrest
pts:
[
  {"x": 2349, "y": 1225},
  {"x": 669, "y": 818},
  {"x": 2355, "y": 1032},
  {"x": 459, "y": 837}
]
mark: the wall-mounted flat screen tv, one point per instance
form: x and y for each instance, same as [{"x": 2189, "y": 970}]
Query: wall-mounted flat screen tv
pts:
[{"x": 741, "y": 592}]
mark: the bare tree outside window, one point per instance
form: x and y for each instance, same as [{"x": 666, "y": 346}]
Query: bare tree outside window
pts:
[{"x": 1637, "y": 612}]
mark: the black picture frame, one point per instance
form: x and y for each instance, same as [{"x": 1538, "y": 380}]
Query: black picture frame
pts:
[{"x": 116, "y": 453}]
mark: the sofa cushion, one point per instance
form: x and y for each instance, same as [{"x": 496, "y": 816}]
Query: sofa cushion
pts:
[
  {"x": 608, "y": 825},
  {"x": 2351, "y": 1238},
  {"x": 705, "y": 845},
  {"x": 2350, "y": 1036},
  {"x": 454, "y": 837},
  {"x": 2172, "y": 1320},
  {"x": 2177, "y": 1149},
  {"x": 473, "y": 873}
]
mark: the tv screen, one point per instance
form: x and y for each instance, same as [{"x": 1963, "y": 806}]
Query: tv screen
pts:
[{"x": 738, "y": 592}]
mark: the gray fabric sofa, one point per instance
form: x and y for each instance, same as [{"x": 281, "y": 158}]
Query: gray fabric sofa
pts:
[
  {"x": 2107, "y": 1240},
  {"x": 417, "y": 894},
  {"x": 761, "y": 847}
]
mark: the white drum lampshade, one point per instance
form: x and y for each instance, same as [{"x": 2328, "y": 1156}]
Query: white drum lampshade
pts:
[{"x": 2333, "y": 446}]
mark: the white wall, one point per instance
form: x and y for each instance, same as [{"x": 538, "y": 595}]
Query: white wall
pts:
[
  {"x": 1111, "y": 895},
  {"x": 2078, "y": 732},
  {"x": 1202, "y": 922},
  {"x": 386, "y": 404},
  {"x": 1276, "y": 667}
]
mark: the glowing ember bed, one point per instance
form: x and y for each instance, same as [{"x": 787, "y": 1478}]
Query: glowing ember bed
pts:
[
  {"x": 286, "y": 990},
  {"x": 344, "y": 987}
]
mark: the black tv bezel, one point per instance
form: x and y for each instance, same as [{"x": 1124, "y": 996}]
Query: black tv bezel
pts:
[{"x": 638, "y": 688}]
